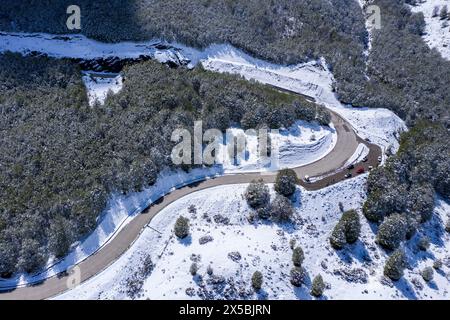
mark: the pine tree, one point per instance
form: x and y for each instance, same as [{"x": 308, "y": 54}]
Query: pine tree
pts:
[
  {"x": 318, "y": 286},
  {"x": 257, "y": 194},
  {"x": 257, "y": 280},
  {"x": 286, "y": 182},
  {"x": 392, "y": 232},
  {"x": 298, "y": 256},
  {"x": 395, "y": 265},
  {"x": 182, "y": 227}
]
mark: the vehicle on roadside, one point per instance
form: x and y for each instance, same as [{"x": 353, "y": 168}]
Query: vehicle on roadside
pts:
[
  {"x": 370, "y": 168},
  {"x": 350, "y": 167},
  {"x": 380, "y": 159},
  {"x": 360, "y": 170},
  {"x": 307, "y": 179},
  {"x": 365, "y": 159},
  {"x": 348, "y": 175}
]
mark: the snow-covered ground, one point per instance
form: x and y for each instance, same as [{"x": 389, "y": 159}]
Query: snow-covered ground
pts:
[
  {"x": 437, "y": 30},
  {"x": 363, "y": 4},
  {"x": 219, "y": 220},
  {"x": 299, "y": 145},
  {"x": 99, "y": 85}
]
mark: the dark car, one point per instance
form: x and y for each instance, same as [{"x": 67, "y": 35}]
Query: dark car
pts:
[{"x": 350, "y": 166}]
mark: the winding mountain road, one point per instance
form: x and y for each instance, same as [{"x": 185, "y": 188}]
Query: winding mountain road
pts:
[{"x": 330, "y": 167}]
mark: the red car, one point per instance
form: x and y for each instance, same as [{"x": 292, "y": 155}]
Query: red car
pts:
[{"x": 360, "y": 170}]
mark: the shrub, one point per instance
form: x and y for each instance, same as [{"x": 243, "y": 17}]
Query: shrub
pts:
[
  {"x": 298, "y": 256},
  {"x": 423, "y": 243},
  {"x": 427, "y": 274},
  {"x": 437, "y": 264},
  {"x": 318, "y": 286},
  {"x": 395, "y": 265},
  {"x": 347, "y": 230},
  {"x": 193, "y": 269},
  {"x": 337, "y": 238},
  {"x": 209, "y": 270},
  {"x": 286, "y": 182},
  {"x": 257, "y": 280},
  {"x": 392, "y": 232},
  {"x": 257, "y": 194},
  {"x": 297, "y": 276},
  {"x": 444, "y": 12},
  {"x": 263, "y": 213},
  {"x": 182, "y": 227},
  {"x": 281, "y": 209},
  {"x": 350, "y": 219},
  {"x": 292, "y": 243},
  {"x": 435, "y": 12},
  {"x": 447, "y": 226},
  {"x": 412, "y": 225}
]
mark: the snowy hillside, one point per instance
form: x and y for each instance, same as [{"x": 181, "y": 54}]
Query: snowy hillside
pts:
[
  {"x": 224, "y": 239},
  {"x": 437, "y": 24},
  {"x": 301, "y": 144}
]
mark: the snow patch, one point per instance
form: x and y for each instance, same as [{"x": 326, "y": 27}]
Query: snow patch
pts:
[
  {"x": 99, "y": 85},
  {"x": 437, "y": 31},
  {"x": 299, "y": 145},
  {"x": 361, "y": 152}
]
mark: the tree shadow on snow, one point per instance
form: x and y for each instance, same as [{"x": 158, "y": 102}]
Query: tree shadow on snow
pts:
[
  {"x": 432, "y": 285},
  {"x": 405, "y": 289},
  {"x": 186, "y": 241},
  {"x": 302, "y": 293},
  {"x": 356, "y": 251}
]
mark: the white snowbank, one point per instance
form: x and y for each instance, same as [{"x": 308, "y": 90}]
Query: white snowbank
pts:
[
  {"x": 361, "y": 152},
  {"x": 266, "y": 247},
  {"x": 437, "y": 30},
  {"x": 99, "y": 85},
  {"x": 72, "y": 46},
  {"x": 299, "y": 145}
]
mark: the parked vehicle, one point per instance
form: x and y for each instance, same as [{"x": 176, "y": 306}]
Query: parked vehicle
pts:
[
  {"x": 365, "y": 159},
  {"x": 360, "y": 170},
  {"x": 307, "y": 179},
  {"x": 380, "y": 159},
  {"x": 348, "y": 175},
  {"x": 350, "y": 166}
]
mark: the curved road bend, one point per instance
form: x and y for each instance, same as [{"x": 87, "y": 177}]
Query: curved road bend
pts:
[{"x": 329, "y": 166}]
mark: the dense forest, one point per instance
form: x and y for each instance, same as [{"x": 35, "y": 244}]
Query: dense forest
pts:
[
  {"x": 282, "y": 31},
  {"x": 412, "y": 80},
  {"x": 61, "y": 159},
  {"x": 403, "y": 74}
]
